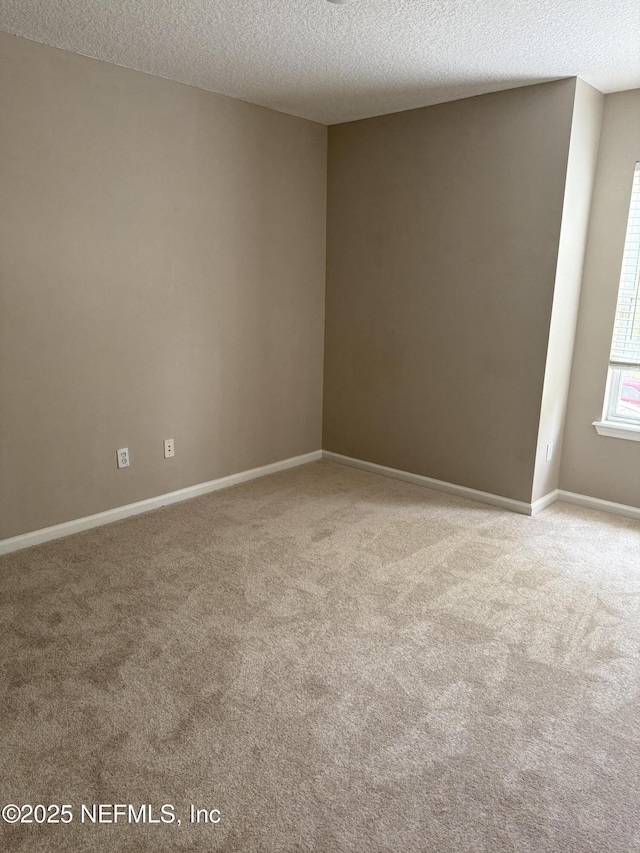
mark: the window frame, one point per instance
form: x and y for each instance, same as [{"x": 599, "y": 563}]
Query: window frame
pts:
[{"x": 614, "y": 424}]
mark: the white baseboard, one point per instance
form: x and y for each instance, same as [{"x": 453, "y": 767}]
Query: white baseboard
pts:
[
  {"x": 486, "y": 497},
  {"x": 57, "y": 531},
  {"x": 544, "y": 502},
  {"x": 597, "y": 503},
  {"x": 441, "y": 485}
]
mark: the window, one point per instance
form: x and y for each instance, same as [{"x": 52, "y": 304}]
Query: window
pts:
[{"x": 621, "y": 415}]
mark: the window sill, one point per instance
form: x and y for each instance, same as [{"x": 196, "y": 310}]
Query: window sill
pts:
[{"x": 617, "y": 430}]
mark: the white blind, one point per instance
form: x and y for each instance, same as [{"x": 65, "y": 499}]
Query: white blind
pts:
[{"x": 625, "y": 348}]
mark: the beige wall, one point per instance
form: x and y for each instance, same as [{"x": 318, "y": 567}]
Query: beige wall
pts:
[
  {"x": 162, "y": 262},
  {"x": 581, "y": 168},
  {"x": 606, "y": 468},
  {"x": 161, "y": 276},
  {"x": 442, "y": 242}
]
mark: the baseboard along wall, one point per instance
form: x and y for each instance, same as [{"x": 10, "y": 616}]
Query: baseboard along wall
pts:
[
  {"x": 597, "y": 503},
  {"x": 67, "y": 528},
  {"x": 57, "y": 531},
  {"x": 438, "y": 485}
]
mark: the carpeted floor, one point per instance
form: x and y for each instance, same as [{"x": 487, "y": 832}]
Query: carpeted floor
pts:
[{"x": 336, "y": 662}]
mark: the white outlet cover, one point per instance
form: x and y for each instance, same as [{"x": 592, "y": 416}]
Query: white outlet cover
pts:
[
  {"x": 123, "y": 457},
  {"x": 169, "y": 448}
]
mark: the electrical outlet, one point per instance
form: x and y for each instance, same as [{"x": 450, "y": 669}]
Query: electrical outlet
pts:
[
  {"x": 123, "y": 457},
  {"x": 169, "y": 448},
  {"x": 549, "y": 451}
]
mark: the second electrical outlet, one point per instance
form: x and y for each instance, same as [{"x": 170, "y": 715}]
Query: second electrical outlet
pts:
[{"x": 169, "y": 448}]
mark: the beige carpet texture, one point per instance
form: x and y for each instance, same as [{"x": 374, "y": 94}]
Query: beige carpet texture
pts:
[{"x": 325, "y": 660}]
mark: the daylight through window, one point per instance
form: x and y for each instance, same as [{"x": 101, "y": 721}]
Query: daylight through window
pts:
[{"x": 623, "y": 393}]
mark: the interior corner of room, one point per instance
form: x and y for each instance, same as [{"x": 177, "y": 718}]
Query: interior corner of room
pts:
[
  {"x": 319, "y": 426},
  {"x": 431, "y": 292}
]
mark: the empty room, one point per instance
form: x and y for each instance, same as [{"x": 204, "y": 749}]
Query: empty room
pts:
[{"x": 319, "y": 426}]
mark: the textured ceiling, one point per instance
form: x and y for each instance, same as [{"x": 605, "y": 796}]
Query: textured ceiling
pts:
[{"x": 333, "y": 63}]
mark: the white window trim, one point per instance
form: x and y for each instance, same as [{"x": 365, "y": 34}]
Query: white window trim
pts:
[
  {"x": 624, "y": 347},
  {"x": 615, "y": 427},
  {"x": 617, "y": 430}
]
